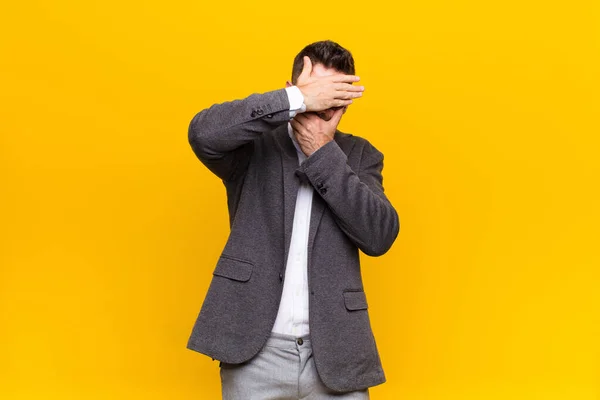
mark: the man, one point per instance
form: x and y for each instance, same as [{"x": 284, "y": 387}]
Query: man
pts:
[{"x": 303, "y": 198}]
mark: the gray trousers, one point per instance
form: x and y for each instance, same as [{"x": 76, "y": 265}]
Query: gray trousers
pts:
[{"x": 284, "y": 369}]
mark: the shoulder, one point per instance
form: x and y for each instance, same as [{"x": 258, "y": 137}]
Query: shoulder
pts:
[{"x": 361, "y": 145}]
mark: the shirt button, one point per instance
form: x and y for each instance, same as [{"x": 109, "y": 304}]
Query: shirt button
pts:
[{"x": 300, "y": 341}]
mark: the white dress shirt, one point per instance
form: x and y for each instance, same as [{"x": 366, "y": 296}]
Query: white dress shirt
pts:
[{"x": 292, "y": 317}]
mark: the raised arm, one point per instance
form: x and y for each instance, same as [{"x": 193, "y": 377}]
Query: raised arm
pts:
[{"x": 221, "y": 136}]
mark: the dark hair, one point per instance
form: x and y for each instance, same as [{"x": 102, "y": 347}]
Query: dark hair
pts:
[{"x": 325, "y": 52}]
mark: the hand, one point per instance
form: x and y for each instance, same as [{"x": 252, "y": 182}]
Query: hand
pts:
[
  {"x": 323, "y": 92},
  {"x": 312, "y": 132}
]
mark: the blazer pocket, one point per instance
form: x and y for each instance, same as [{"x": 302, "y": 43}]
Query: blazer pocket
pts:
[
  {"x": 234, "y": 268},
  {"x": 355, "y": 300}
]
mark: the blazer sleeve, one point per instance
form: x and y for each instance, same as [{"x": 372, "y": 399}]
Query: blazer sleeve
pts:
[
  {"x": 222, "y": 135},
  {"x": 357, "y": 199}
]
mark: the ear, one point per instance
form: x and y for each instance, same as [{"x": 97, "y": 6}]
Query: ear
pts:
[{"x": 288, "y": 84}]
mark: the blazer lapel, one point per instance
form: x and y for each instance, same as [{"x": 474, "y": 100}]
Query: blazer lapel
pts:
[{"x": 291, "y": 182}]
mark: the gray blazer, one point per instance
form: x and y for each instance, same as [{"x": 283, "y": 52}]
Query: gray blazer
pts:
[{"x": 246, "y": 144}]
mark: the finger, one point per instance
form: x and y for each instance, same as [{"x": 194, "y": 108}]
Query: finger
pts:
[
  {"x": 347, "y": 87},
  {"x": 345, "y": 78},
  {"x": 297, "y": 126},
  {"x": 301, "y": 119},
  {"x": 306, "y": 69},
  {"x": 310, "y": 116},
  {"x": 302, "y": 116},
  {"x": 348, "y": 95},
  {"x": 340, "y": 103}
]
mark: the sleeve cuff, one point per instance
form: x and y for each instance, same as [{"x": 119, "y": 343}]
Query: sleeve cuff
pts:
[
  {"x": 296, "y": 100},
  {"x": 323, "y": 163}
]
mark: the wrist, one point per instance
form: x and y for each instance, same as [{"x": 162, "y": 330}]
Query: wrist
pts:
[{"x": 318, "y": 145}]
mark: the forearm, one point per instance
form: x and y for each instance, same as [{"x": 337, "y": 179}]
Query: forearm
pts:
[
  {"x": 222, "y": 135},
  {"x": 357, "y": 200},
  {"x": 226, "y": 126}
]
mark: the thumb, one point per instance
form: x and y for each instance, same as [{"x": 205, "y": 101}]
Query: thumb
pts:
[
  {"x": 306, "y": 70},
  {"x": 335, "y": 119}
]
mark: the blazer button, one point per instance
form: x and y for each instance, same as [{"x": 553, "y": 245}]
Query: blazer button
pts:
[
  {"x": 300, "y": 341},
  {"x": 253, "y": 114},
  {"x": 323, "y": 190}
]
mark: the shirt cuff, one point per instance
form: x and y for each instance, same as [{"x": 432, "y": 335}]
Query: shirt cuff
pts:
[{"x": 296, "y": 100}]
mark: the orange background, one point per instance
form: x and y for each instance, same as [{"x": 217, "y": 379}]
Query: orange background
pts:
[{"x": 488, "y": 116}]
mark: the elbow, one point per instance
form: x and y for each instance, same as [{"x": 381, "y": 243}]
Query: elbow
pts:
[
  {"x": 376, "y": 250},
  {"x": 195, "y": 132},
  {"x": 199, "y": 137},
  {"x": 382, "y": 243}
]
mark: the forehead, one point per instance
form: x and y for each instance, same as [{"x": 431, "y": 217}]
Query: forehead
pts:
[{"x": 321, "y": 70}]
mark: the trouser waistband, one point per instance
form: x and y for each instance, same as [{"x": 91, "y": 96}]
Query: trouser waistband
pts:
[{"x": 283, "y": 340}]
